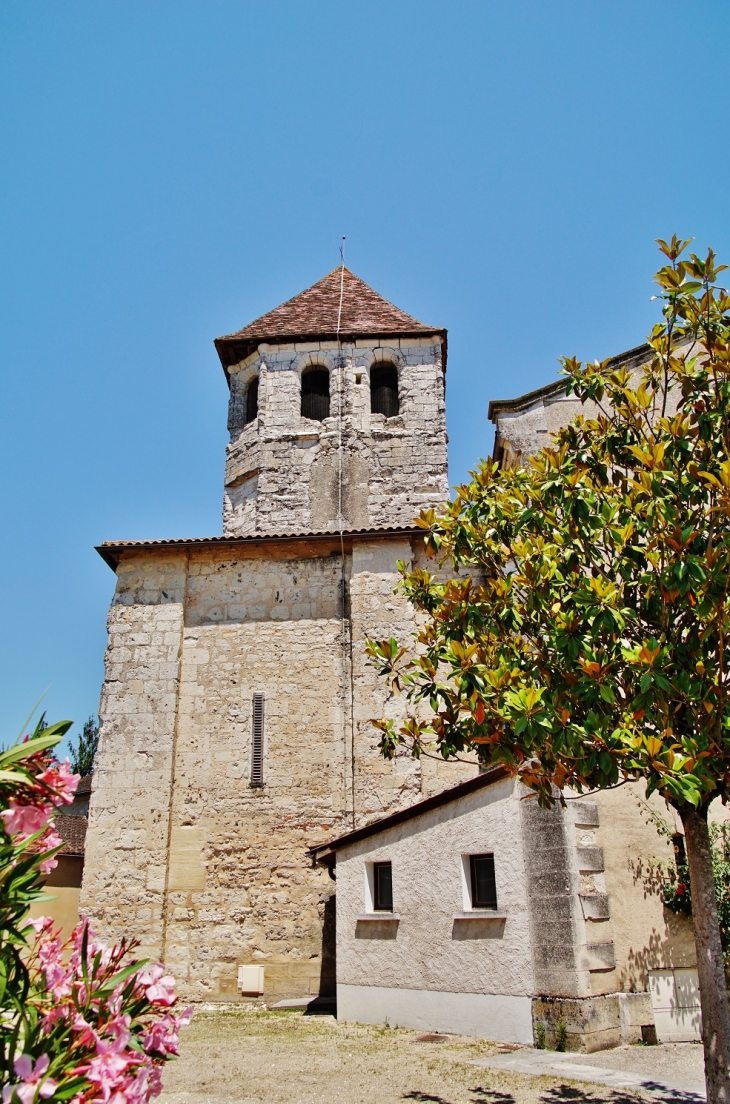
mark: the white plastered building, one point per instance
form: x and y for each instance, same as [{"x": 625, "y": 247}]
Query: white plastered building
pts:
[{"x": 495, "y": 916}]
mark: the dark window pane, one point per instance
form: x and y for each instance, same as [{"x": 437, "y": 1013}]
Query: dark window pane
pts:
[
  {"x": 384, "y": 390},
  {"x": 316, "y": 394},
  {"x": 383, "y": 887},
  {"x": 252, "y": 400},
  {"x": 483, "y": 885}
]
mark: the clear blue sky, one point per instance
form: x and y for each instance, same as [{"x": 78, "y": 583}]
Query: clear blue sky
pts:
[{"x": 172, "y": 170}]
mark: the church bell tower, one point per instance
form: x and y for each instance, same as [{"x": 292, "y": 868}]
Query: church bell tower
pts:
[{"x": 336, "y": 414}]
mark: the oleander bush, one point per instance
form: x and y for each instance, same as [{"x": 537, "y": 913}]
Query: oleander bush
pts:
[{"x": 80, "y": 1020}]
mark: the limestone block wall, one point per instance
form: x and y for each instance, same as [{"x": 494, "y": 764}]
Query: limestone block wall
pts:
[
  {"x": 379, "y": 613},
  {"x": 572, "y": 943},
  {"x": 210, "y": 869},
  {"x": 598, "y": 921},
  {"x": 283, "y": 470},
  {"x": 127, "y": 840},
  {"x": 627, "y": 930},
  {"x": 528, "y": 423},
  {"x": 240, "y": 890}
]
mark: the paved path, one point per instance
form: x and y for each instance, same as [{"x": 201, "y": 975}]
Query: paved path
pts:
[{"x": 578, "y": 1067}]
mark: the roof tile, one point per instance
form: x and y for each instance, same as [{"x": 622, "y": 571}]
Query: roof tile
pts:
[
  {"x": 72, "y": 830},
  {"x": 316, "y": 313},
  {"x": 110, "y": 550}
]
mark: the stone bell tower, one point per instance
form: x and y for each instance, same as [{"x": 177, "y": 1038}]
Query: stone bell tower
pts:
[{"x": 336, "y": 414}]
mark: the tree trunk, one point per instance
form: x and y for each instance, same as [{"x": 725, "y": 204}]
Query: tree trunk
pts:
[{"x": 710, "y": 964}]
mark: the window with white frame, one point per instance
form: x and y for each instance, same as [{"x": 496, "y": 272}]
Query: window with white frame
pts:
[
  {"x": 480, "y": 883},
  {"x": 379, "y": 886}
]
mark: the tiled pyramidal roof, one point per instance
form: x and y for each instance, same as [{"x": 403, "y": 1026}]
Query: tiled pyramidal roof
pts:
[{"x": 314, "y": 313}]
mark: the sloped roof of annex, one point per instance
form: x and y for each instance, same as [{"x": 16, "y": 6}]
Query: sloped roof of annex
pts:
[{"x": 326, "y": 853}]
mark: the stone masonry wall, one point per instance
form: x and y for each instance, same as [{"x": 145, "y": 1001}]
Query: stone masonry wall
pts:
[
  {"x": 127, "y": 841},
  {"x": 526, "y": 425},
  {"x": 283, "y": 470},
  {"x": 234, "y": 886}
]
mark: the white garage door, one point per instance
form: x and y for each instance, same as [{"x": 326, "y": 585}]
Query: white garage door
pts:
[{"x": 675, "y": 1000}]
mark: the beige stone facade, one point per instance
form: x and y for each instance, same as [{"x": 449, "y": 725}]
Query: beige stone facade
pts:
[
  {"x": 202, "y": 812},
  {"x": 288, "y": 473},
  {"x": 185, "y": 850},
  {"x": 526, "y": 424},
  {"x": 644, "y": 936},
  {"x": 209, "y": 871}
]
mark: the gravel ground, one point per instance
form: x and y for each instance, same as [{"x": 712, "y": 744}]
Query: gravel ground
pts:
[
  {"x": 289, "y": 1058},
  {"x": 671, "y": 1062}
]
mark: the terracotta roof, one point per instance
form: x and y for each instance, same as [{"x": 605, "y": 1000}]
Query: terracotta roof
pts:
[
  {"x": 84, "y": 785},
  {"x": 326, "y": 852},
  {"x": 72, "y": 830},
  {"x": 314, "y": 313},
  {"x": 111, "y": 550}
]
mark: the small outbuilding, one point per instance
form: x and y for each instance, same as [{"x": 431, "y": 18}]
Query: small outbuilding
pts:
[
  {"x": 63, "y": 884},
  {"x": 477, "y": 912}
]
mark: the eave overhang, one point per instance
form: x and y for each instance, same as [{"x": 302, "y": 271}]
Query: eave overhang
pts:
[
  {"x": 232, "y": 350},
  {"x": 112, "y": 551}
]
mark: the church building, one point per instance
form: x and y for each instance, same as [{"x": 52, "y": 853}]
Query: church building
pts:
[{"x": 237, "y": 699}]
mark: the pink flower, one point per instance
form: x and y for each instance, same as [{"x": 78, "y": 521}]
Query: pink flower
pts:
[
  {"x": 53, "y": 1016},
  {"x": 155, "y": 1087},
  {"x": 138, "y": 1089},
  {"x": 61, "y": 781},
  {"x": 119, "y": 1029},
  {"x": 85, "y": 1032},
  {"x": 159, "y": 989},
  {"x": 108, "y": 1066},
  {"x": 150, "y": 976},
  {"x": 58, "y": 980},
  {"x": 41, "y": 923},
  {"x": 48, "y": 841},
  {"x": 163, "y": 992},
  {"x": 161, "y": 1037},
  {"x": 31, "y": 1080},
  {"x": 25, "y": 820}
]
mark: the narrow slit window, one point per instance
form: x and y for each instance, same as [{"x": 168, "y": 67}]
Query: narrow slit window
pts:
[
  {"x": 383, "y": 886},
  {"x": 257, "y": 742},
  {"x": 252, "y": 400},
  {"x": 316, "y": 394},
  {"x": 384, "y": 390},
  {"x": 483, "y": 884}
]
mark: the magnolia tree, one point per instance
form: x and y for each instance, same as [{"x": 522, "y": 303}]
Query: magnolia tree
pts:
[
  {"x": 583, "y": 642},
  {"x": 80, "y": 1021}
]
